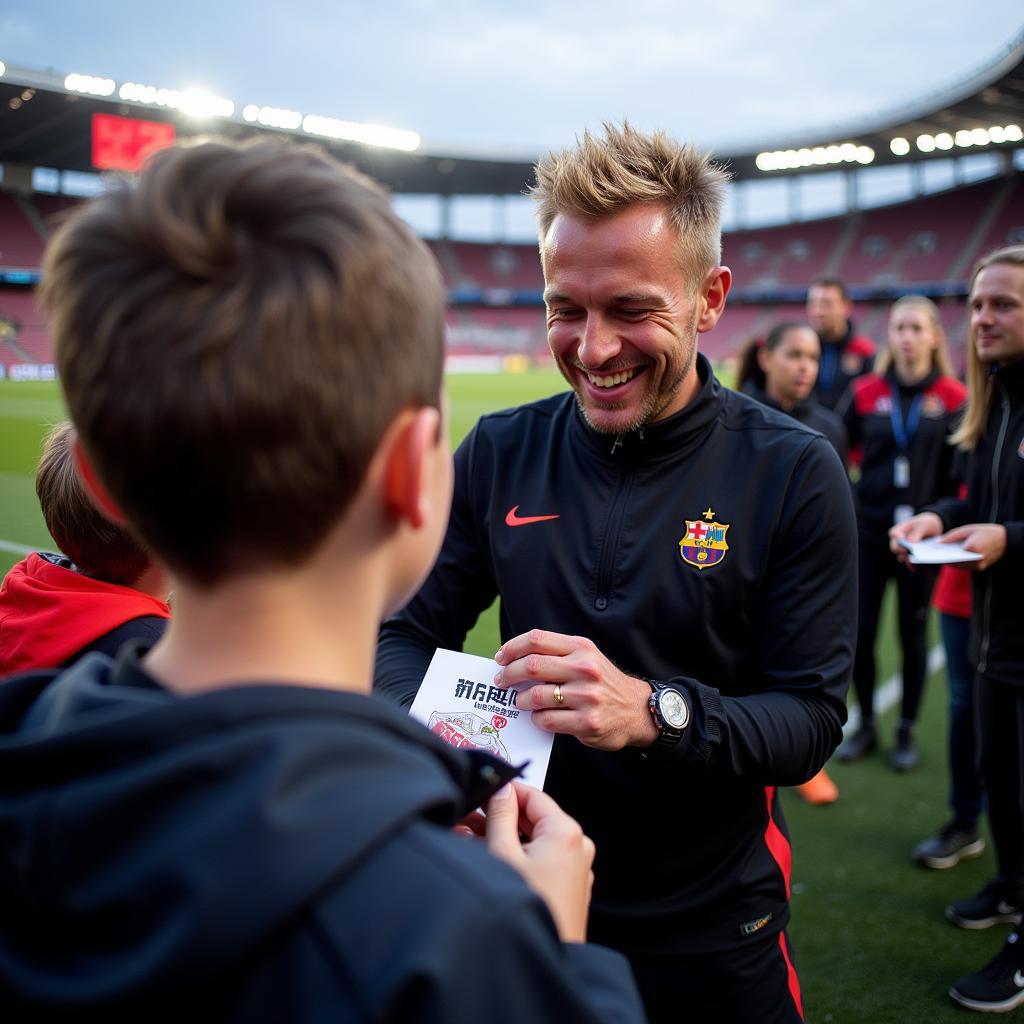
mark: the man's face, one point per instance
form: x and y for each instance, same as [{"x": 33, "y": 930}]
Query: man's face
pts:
[
  {"x": 622, "y": 317},
  {"x": 827, "y": 310},
  {"x": 997, "y": 313}
]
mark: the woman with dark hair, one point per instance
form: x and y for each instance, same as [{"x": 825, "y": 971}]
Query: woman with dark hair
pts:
[
  {"x": 902, "y": 416},
  {"x": 780, "y": 371}
]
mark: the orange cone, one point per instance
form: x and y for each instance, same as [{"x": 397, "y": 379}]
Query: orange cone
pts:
[{"x": 819, "y": 790}]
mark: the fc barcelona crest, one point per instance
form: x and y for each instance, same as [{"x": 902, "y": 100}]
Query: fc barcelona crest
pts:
[{"x": 704, "y": 543}]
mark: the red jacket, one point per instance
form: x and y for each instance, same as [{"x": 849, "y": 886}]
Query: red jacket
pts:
[{"x": 49, "y": 612}]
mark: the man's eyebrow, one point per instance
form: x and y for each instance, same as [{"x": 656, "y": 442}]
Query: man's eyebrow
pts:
[
  {"x": 640, "y": 298},
  {"x": 636, "y": 298}
]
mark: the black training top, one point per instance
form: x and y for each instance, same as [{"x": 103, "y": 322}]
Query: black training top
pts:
[{"x": 715, "y": 548}]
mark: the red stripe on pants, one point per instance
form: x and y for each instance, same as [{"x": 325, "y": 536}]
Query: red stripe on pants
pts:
[
  {"x": 794, "y": 981},
  {"x": 777, "y": 843}
]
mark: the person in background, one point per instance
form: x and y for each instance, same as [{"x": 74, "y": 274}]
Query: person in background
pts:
[
  {"x": 780, "y": 372},
  {"x": 102, "y": 591},
  {"x": 901, "y": 417},
  {"x": 845, "y": 355},
  {"x": 990, "y": 522},
  {"x": 959, "y": 838}
]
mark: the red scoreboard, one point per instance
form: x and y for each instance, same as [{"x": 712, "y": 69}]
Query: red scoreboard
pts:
[{"x": 123, "y": 143}]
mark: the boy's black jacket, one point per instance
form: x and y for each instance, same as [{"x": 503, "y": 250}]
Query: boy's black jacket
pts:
[
  {"x": 270, "y": 853},
  {"x": 691, "y": 847}
]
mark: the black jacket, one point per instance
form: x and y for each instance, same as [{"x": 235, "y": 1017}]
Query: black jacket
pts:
[
  {"x": 692, "y": 852},
  {"x": 842, "y": 362},
  {"x": 260, "y": 853},
  {"x": 994, "y": 474},
  {"x": 869, "y": 420},
  {"x": 811, "y": 413}
]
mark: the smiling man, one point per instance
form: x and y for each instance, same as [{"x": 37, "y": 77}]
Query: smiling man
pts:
[{"x": 675, "y": 567}]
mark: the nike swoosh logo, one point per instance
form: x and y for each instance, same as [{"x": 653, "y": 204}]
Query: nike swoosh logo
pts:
[
  {"x": 1018, "y": 979},
  {"x": 512, "y": 519}
]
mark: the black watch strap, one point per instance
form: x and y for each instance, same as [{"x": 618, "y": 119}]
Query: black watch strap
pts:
[{"x": 668, "y": 736}]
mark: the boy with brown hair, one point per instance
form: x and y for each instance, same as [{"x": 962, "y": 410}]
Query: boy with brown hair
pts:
[
  {"x": 102, "y": 591},
  {"x": 228, "y": 822}
]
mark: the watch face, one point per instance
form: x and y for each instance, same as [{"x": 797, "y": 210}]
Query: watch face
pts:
[{"x": 674, "y": 711}]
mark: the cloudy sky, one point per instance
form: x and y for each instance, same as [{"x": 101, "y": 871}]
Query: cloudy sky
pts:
[{"x": 519, "y": 77}]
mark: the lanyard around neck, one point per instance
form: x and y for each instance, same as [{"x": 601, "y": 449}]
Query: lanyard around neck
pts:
[{"x": 904, "y": 433}]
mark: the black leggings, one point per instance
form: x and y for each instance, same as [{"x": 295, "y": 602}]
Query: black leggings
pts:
[
  {"x": 877, "y": 566},
  {"x": 1000, "y": 722}
]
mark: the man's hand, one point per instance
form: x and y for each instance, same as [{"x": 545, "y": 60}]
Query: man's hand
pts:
[
  {"x": 986, "y": 539},
  {"x": 556, "y": 858},
  {"x": 601, "y": 706},
  {"x": 919, "y": 527}
]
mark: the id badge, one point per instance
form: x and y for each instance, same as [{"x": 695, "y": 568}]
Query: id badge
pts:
[
  {"x": 901, "y": 472},
  {"x": 902, "y": 512}
]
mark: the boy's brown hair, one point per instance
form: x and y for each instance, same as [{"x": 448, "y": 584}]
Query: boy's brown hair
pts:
[
  {"x": 234, "y": 335},
  {"x": 96, "y": 546}
]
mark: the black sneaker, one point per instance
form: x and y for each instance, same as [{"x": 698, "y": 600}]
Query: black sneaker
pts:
[
  {"x": 998, "y": 986},
  {"x": 904, "y": 756},
  {"x": 995, "y": 904},
  {"x": 948, "y": 847},
  {"x": 862, "y": 742}
]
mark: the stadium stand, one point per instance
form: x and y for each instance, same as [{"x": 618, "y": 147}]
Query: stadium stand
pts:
[
  {"x": 21, "y": 244},
  {"x": 928, "y": 243}
]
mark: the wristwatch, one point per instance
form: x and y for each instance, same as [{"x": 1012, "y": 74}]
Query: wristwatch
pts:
[{"x": 671, "y": 713}]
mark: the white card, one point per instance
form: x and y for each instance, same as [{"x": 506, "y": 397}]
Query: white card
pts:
[
  {"x": 458, "y": 701},
  {"x": 933, "y": 552}
]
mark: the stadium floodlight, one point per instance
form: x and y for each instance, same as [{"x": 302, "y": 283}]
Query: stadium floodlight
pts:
[
  {"x": 765, "y": 161},
  {"x": 865, "y": 155},
  {"x": 250, "y": 112},
  {"x": 926, "y": 143},
  {"x": 849, "y": 152},
  {"x": 820, "y": 155},
  {"x": 277, "y": 117},
  {"x": 3, "y": 69},
  {"x": 964, "y": 138},
  {"x": 997, "y": 133},
  {"x": 352, "y": 131},
  {"x": 899, "y": 147},
  {"x": 835, "y": 154},
  {"x": 980, "y": 137},
  {"x": 1013, "y": 133},
  {"x": 943, "y": 141},
  {"x": 200, "y": 103},
  {"x": 91, "y": 85}
]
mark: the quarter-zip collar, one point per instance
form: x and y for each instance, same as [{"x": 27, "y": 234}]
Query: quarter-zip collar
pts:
[
  {"x": 676, "y": 435},
  {"x": 1011, "y": 376}
]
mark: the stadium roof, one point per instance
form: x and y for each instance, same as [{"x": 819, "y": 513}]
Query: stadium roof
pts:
[{"x": 46, "y": 120}]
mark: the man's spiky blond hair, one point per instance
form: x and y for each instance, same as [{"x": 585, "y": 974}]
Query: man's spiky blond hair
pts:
[{"x": 602, "y": 176}]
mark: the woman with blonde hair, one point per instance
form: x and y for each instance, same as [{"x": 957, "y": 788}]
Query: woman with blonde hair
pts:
[
  {"x": 901, "y": 416},
  {"x": 989, "y": 521}
]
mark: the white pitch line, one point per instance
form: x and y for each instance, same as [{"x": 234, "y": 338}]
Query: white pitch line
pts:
[
  {"x": 889, "y": 692},
  {"x": 15, "y": 549}
]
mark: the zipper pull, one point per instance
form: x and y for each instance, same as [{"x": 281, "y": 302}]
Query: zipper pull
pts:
[{"x": 617, "y": 443}]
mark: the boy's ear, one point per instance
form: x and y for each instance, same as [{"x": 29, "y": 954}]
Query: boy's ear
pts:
[
  {"x": 410, "y": 465},
  {"x": 98, "y": 494}
]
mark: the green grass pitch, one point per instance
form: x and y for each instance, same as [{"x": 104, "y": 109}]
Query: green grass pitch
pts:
[{"x": 870, "y": 941}]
